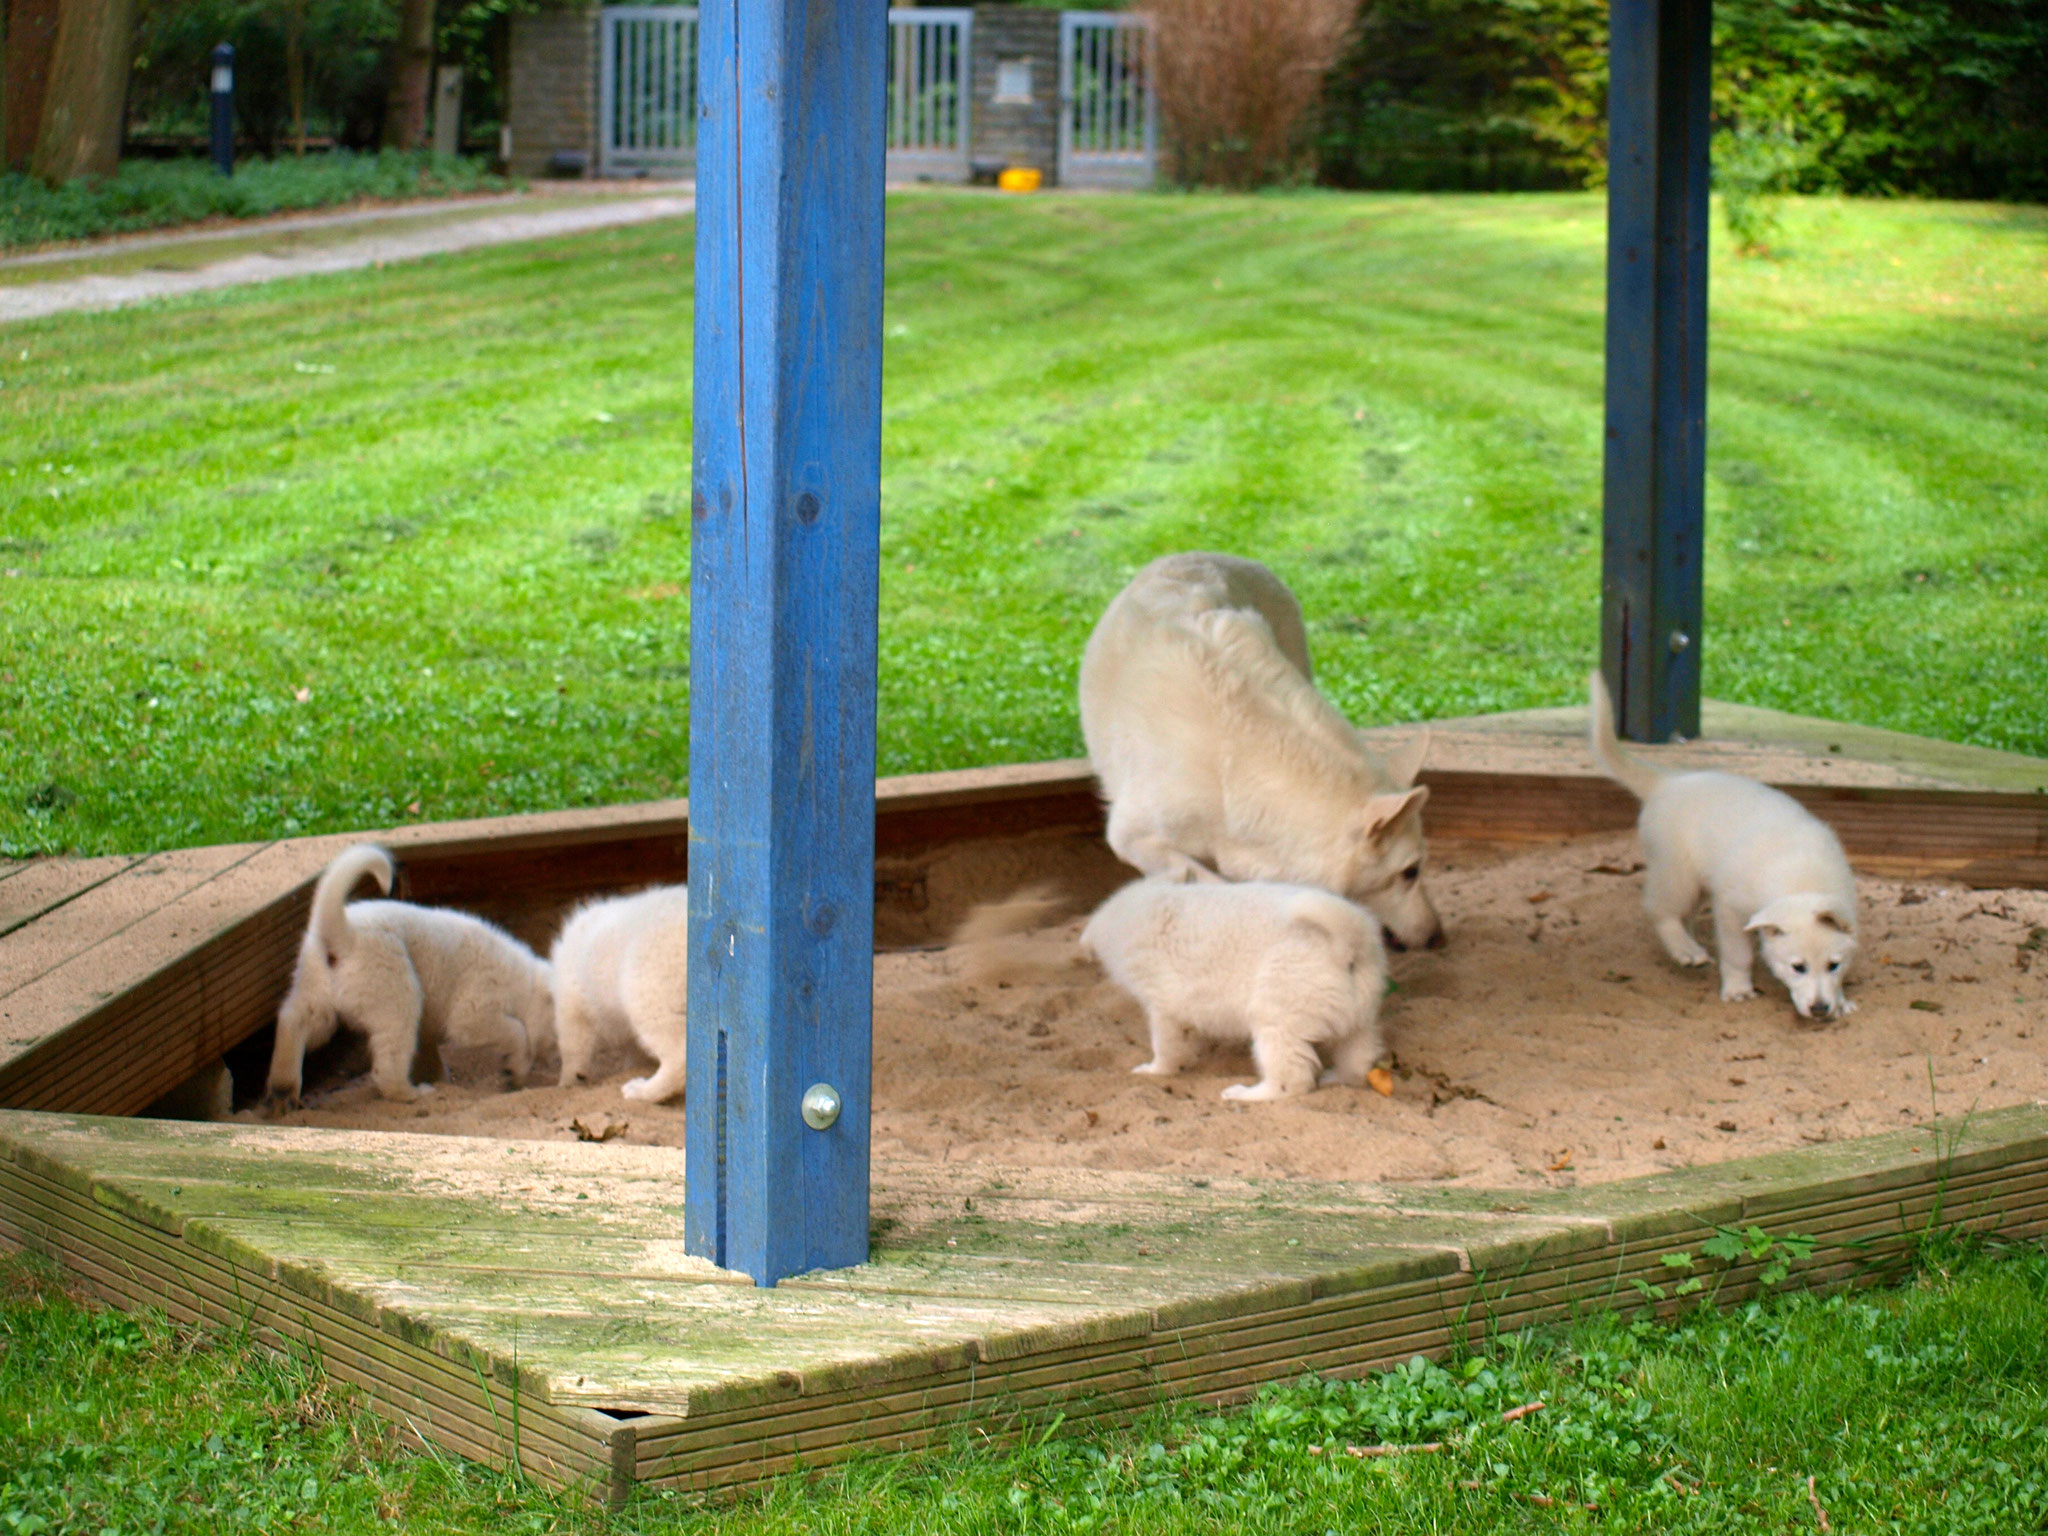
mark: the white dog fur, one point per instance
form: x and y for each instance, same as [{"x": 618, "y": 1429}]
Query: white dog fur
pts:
[
  {"x": 1292, "y": 969},
  {"x": 1773, "y": 869},
  {"x": 1218, "y": 757},
  {"x": 622, "y": 973},
  {"x": 401, "y": 974}
]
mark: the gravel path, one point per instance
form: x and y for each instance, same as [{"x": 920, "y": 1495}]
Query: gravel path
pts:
[{"x": 107, "y": 290}]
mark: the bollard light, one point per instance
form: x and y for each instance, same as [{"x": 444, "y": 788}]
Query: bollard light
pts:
[{"x": 224, "y": 109}]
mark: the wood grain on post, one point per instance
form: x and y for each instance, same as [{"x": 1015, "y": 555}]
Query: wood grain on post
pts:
[{"x": 786, "y": 507}]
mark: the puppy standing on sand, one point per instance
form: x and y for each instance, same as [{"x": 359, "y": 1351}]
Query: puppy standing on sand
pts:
[
  {"x": 1296, "y": 971},
  {"x": 1218, "y": 757},
  {"x": 398, "y": 973},
  {"x": 1772, "y": 868},
  {"x": 621, "y": 972}
]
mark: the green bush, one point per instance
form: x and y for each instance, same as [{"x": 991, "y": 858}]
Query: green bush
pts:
[
  {"x": 1940, "y": 98},
  {"x": 147, "y": 194}
]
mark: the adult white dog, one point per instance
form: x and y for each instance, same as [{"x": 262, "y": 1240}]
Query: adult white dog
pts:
[
  {"x": 1295, "y": 971},
  {"x": 622, "y": 968},
  {"x": 1218, "y": 757},
  {"x": 401, "y": 973},
  {"x": 1773, "y": 869}
]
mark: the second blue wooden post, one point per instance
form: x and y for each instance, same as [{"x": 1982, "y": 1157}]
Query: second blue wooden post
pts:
[
  {"x": 1659, "y": 94},
  {"x": 785, "y": 554}
]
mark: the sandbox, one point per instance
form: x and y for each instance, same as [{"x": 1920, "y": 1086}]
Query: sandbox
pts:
[
  {"x": 1049, "y": 1233},
  {"x": 1551, "y": 1043}
]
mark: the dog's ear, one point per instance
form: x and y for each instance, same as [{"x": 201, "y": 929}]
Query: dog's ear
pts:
[
  {"x": 1837, "y": 915},
  {"x": 1406, "y": 761},
  {"x": 1769, "y": 919},
  {"x": 1382, "y": 813}
]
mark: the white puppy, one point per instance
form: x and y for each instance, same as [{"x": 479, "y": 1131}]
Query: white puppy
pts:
[
  {"x": 622, "y": 970},
  {"x": 1772, "y": 868},
  {"x": 1292, "y": 969},
  {"x": 399, "y": 974},
  {"x": 1217, "y": 756}
]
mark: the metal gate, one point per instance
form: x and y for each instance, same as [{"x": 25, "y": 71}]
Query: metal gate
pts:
[
  {"x": 930, "y": 74},
  {"x": 1109, "y": 113},
  {"x": 647, "y": 90}
]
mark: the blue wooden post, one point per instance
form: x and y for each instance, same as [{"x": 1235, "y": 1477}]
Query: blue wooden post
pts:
[
  {"x": 1659, "y": 93},
  {"x": 785, "y": 552}
]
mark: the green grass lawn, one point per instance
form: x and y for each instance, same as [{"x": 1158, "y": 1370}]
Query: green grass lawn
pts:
[
  {"x": 1922, "y": 1409},
  {"x": 331, "y": 553}
]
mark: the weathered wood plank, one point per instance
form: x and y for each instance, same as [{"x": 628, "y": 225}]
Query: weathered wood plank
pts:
[
  {"x": 33, "y": 889},
  {"x": 102, "y": 913}
]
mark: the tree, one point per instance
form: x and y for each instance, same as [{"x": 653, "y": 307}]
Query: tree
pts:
[
  {"x": 412, "y": 77},
  {"x": 31, "y": 40},
  {"x": 88, "y": 91}
]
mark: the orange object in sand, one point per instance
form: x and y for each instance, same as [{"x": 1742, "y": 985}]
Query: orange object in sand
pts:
[{"x": 1382, "y": 1081}]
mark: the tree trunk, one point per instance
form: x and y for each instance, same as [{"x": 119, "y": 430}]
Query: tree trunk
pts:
[
  {"x": 412, "y": 77},
  {"x": 295, "y": 69},
  {"x": 31, "y": 42},
  {"x": 81, "y": 128}
]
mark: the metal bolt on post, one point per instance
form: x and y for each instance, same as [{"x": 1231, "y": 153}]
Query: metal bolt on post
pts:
[{"x": 224, "y": 109}]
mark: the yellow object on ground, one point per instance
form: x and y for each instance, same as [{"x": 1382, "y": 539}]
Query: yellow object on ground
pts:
[{"x": 1020, "y": 178}]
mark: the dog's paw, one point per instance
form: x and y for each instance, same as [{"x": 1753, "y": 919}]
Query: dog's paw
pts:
[
  {"x": 1152, "y": 1069},
  {"x": 280, "y": 1101},
  {"x": 1691, "y": 956},
  {"x": 1335, "y": 1077},
  {"x": 1737, "y": 991},
  {"x": 1845, "y": 1010},
  {"x": 1251, "y": 1093}
]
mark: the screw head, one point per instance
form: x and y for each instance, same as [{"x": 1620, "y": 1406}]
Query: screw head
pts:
[
  {"x": 821, "y": 1106},
  {"x": 1679, "y": 641}
]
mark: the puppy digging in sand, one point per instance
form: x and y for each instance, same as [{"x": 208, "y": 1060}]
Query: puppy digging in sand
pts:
[
  {"x": 401, "y": 974},
  {"x": 1296, "y": 971},
  {"x": 621, "y": 973},
  {"x": 1772, "y": 868}
]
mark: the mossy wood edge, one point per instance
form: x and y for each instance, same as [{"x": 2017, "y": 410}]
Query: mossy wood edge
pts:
[{"x": 530, "y": 1300}]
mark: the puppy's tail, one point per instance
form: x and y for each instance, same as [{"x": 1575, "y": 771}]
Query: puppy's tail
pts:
[
  {"x": 1351, "y": 931},
  {"x": 1001, "y": 942},
  {"x": 1620, "y": 765},
  {"x": 330, "y": 896}
]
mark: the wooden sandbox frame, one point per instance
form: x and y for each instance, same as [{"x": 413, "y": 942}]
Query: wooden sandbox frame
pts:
[{"x": 531, "y": 1300}]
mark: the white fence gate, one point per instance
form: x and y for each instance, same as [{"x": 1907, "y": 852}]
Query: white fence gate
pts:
[
  {"x": 647, "y": 90},
  {"x": 930, "y": 77},
  {"x": 1109, "y": 113}
]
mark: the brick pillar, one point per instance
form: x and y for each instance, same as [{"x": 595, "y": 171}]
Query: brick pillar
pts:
[
  {"x": 1010, "y": 132},
  {"x": 551, "y": 92}
]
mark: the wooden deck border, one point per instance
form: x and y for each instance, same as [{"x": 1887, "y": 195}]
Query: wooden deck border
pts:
[{"x": 1864, "y": 1201}]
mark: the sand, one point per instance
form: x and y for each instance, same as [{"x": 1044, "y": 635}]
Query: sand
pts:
[{"x": 1550, "y": 1043}]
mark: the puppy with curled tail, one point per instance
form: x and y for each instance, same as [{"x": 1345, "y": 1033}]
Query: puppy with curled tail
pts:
[
  {"x": 399, "y": 974},
  {"x": 1776, "y": 874}
]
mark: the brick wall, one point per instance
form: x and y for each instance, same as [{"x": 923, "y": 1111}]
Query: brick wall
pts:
[
  {"x": 1007, "y": 134},
  {"x": 553, "y": 88}
]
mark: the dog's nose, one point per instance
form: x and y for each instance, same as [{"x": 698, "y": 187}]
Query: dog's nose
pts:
[{"x": 1436, "y": 940}]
